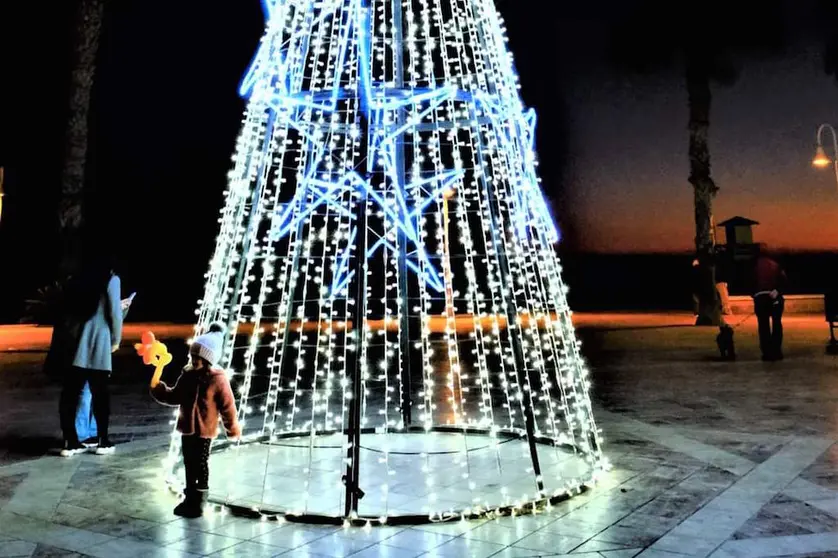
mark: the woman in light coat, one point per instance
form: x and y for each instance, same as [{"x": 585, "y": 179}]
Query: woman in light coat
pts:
[
  {"x": 94, "y": 297},
  {"x": 86, "y": 430}
]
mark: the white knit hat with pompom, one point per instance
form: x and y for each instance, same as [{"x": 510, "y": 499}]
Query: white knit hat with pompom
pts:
[{"x": 209, "y": 345}]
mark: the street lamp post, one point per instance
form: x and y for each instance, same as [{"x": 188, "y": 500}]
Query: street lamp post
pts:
[{"x": 821, "y": 159}]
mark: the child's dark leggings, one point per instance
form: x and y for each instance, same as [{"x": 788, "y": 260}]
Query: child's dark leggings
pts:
[{"x": 196, "y": 452}]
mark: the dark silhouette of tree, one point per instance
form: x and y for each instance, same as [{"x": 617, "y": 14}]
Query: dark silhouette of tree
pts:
[
  {"x": 827, "y": 15},
  {"x": 88, "y": 29},
  {"x": 705, "y": 40}
]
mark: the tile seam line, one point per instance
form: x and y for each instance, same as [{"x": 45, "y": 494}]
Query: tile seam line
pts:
[
  {"x": 670, "y": 487},
  {"x": 673, "y": 430},
  {"x": 779, "y": 491}
]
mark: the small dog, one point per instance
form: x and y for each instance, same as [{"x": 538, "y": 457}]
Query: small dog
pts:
[{"x": 725, "y": 342}]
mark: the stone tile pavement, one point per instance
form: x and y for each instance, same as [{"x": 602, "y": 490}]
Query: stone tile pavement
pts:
[{"x": 710, "y": 459}]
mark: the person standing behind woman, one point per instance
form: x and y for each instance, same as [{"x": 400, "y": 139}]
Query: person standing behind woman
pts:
[
  {"x": 95, "y": 301},
  {"x": 769, "y": 286}
]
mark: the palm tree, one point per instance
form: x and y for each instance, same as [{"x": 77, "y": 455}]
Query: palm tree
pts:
[
  {"x": 703, "y": 40},
  {"x": 88, "y": 28},
  {"x": 827, "y": 14}
]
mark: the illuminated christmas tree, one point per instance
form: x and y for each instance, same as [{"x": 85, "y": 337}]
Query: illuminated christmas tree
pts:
[{"x": 385, "y": 175}]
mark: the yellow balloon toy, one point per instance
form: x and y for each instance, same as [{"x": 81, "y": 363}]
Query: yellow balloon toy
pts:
[{"x": 154, "y": 353}]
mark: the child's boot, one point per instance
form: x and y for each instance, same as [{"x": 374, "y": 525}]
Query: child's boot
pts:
[
  {"x": 184, "y": 505},
  {"x": 193, "y": 504},
  {"x": 188, "y": 501},
  {"x": 200, "y": 501},
  {"x": 187, "y": 507}
]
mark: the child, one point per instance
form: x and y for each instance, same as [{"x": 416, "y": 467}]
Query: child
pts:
[{"x": 203, "y": 394}]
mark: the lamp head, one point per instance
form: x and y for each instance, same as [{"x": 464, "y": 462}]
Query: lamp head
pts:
[{"x": 821, "y": 160}]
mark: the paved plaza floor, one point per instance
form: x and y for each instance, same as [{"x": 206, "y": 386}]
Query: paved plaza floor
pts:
[{"x": 710, "y": 458}]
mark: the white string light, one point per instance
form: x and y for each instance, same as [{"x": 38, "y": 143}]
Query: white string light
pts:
[{"x": 378, "y": 108}]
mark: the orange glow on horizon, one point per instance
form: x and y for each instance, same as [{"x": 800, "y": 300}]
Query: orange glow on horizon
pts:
[{"x": 625, "y": 222}]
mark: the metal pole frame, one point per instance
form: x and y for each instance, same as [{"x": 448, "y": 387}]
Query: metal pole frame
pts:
[
  {"x": 355, "y": 361},
  {"x": 404, "y": 326},
  {"x": 353, "y": 368}
]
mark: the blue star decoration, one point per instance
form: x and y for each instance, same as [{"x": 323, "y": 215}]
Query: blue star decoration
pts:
[
  {"x": 274, "y": 82},
  {"x": 402, "y": 204}
]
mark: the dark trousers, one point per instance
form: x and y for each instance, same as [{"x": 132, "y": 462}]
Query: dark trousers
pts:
[
  {"x": 196, "y": 451},
  {"x": 74, "y": 381},
  {"x": 769, "y": 313}
]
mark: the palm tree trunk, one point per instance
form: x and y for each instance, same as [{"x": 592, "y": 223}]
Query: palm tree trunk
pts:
[
  {"x": 71, "y": 207},
  {"x": 700, "y": 100}
]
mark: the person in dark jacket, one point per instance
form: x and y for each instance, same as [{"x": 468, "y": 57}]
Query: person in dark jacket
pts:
[
  {"x": 204, "y": 396},
  {"x": 95, "y": 304},
  {"x": 769, "y": 285}
]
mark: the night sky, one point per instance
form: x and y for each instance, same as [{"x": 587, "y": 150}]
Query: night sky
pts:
[
  {"x": 627, "y": 170},
  {"x": 613, "y": 146}
]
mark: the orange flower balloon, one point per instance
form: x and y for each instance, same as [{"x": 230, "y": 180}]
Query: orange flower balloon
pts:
[{"x": 154, "y": 353}]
